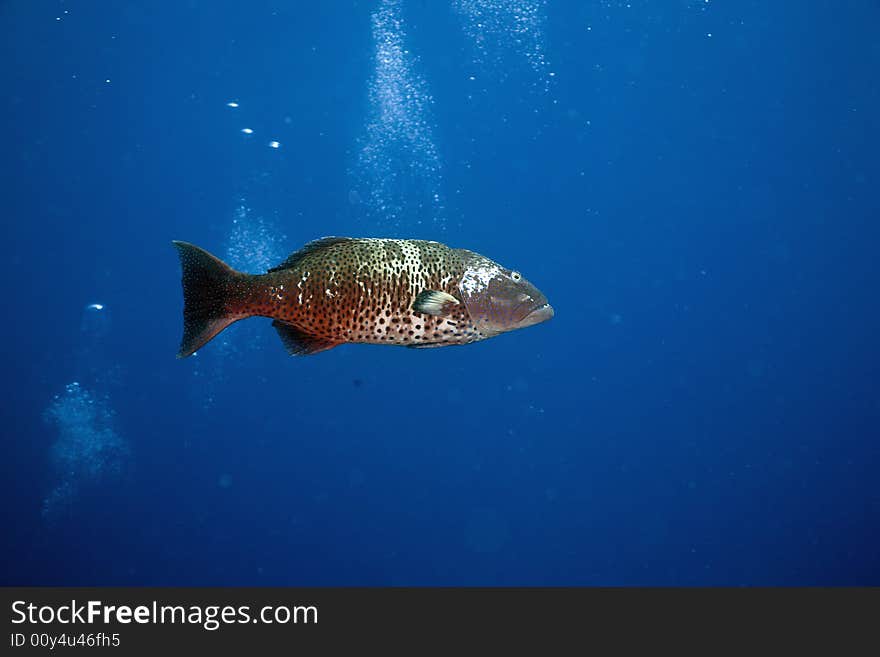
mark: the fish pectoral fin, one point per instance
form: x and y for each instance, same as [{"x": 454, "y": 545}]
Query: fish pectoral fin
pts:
[
  {"x": 435, "y": 302},
  {"x": 298, "y": 343}
]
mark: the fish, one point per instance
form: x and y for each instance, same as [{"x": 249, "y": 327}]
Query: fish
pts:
[{"x": 338, "y": 290}]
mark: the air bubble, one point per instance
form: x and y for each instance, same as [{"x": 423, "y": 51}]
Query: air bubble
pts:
[
  {"x": 500, "y": 29},
  {"x": 87, "y": 450},
  {"x": 399, "y": 163},
  {"x": 95, "y": 322}
]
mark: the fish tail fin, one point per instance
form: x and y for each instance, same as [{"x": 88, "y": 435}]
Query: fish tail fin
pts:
[{"x": 207, "y": 283}]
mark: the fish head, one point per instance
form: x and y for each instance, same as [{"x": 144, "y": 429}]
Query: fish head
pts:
[{"x": 499, "y": 299}]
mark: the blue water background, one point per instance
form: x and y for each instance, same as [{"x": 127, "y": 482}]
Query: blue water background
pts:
[{"x": 695, "y": 191}]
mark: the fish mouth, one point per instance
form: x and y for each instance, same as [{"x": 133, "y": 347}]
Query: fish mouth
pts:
[{"x": 538, "y": 315}]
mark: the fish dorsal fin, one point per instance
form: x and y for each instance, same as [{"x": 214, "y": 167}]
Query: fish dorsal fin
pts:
[
  {"x": 435, "y": 302},
  {"x": 298, "y": 343},
  {"x": 310, "y": 247}
]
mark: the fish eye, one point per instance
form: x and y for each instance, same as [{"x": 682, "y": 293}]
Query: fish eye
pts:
[{"x": 515, "y": 275}]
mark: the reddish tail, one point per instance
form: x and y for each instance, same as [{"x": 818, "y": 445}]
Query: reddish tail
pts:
[{"x": 207, "y": 284}]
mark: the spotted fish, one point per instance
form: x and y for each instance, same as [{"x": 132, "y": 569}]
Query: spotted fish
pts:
[{"x": 379, "y": 291}]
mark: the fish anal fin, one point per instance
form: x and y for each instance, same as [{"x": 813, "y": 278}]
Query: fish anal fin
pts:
[
  {"x": 436, "y": 303},
  {"x": 310, "y": 247},
  {"x": 298, "y": 343}
]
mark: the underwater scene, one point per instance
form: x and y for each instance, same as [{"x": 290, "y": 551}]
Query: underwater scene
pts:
[{"x": 441, "y": 293}]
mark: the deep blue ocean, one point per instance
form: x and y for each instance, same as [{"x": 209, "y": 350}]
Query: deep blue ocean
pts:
[{"x": 693, "y": 184}]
